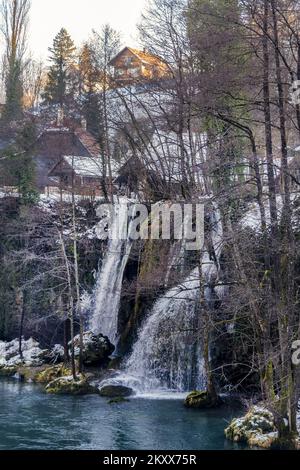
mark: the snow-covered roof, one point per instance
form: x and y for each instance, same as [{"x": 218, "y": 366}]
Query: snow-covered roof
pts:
[
  {"x": 84, "y": 166},
  {"x": 164, "y": 154}
]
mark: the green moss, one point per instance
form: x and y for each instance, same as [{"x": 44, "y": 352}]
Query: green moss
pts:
[
  {"x": 69, "y": 386},
  {"x": 8, "y": 371},
  {"x": 256, "y": 428},
  {"x": 51, "y": 373},
  {"x": 200, "y": 400},
  {"x": 29, "y": 374}
]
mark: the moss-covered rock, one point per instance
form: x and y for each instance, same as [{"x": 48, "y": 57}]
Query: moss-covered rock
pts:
[
  {"x": 49, "y": 374},
  {"x": 30, "y": 374},
  {"x": 115, "y": 391},
  {"x": 69, "y": 386},
  {"x": 256, "y": 428},
  {"x": 8, "y": 371},
  {"x": 201, "y": 400}
]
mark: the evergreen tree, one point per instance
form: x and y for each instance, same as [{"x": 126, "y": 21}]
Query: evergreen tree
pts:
[
  {"x": 89, "y": 74},
  {"x": 13, "y": 92},
  {"x": 19, "y": 167},
  {"x": 88, "y": 83},
  {"x": 61, "y": 74}
]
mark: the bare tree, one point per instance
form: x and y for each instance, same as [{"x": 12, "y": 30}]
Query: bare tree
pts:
[{"x": 14, "y": 28}]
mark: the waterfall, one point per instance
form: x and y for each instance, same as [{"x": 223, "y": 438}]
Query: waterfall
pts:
[
  {"x": 168, "y": 352},
  {"x": 108, "y": 288}
]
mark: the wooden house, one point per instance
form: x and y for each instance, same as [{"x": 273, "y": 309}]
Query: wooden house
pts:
[
  {"x": 57, "y": 141},
  {"x": 79, "y": 174},
  {"x": 132, "y": 66}
]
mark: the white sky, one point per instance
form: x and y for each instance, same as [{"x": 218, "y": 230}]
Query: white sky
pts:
[{"x": 79, "y": 17}]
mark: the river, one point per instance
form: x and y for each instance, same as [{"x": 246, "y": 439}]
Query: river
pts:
[{"x": 30, "y": 419}]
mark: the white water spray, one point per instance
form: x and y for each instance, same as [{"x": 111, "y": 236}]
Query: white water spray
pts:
[
  {"x": 109, "y": 280},
  {"x": 167, "y": 355}
]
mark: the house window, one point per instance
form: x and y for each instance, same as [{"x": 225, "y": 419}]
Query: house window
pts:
[
  {"x": 119, "y": 72},
  {"x": 65, "y": 180},
  {"x": 127, "y": 61},
  {"x": 135, "y": 72}
]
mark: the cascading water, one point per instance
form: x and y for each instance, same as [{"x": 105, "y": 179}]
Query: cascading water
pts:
[
  {"x": 168, "y": 352},
  {"x": 107, "y": 295}
]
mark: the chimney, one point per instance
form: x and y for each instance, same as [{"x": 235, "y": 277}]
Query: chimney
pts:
[
  {"x": 83, "y": 124},
  {"x": 60, "y": 117}
]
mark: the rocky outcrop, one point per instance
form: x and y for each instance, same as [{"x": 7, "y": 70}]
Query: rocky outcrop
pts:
[
  {"x": 52, "y": 373},
  {"x": 69, "y": 386},
  {"x": 201, "y": 400},
  {"x": 33, "y": 354},
  {"x": 97, "y": 349},
  {"x": 256, "y": 428},
  {"x": 96, "y": 352},
  {"x": 46, "y": 367}
]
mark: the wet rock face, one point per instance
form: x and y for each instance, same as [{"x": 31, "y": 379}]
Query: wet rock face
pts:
[
  {"x": 256, "y": 428},
  {"x": 97, "y": 349},
  {"x": 115, "y": 391},
  {"x": 201, "y": 400}
]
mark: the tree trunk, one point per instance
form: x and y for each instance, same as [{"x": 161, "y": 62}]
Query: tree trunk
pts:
[
  {"x": 71, "y": 303},
  {"x": 20, "y": 301},
  {"x": 66, "y": 341}
]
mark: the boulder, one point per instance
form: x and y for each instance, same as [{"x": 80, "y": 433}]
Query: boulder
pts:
[
  {"x": 7, "y": 371},
  {"x": 200, "y": 400},
  {"x": 33, "y": 355},
  {"x": 51, "y": 373},
  {"x": 115, "y": 391},
  {"x": 69, "y": 386},
  {"x": 96, "y": 349},
  {"x": 256, "y": 428}
]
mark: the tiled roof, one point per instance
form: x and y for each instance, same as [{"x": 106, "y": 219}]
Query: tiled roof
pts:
[{"x": 88, "y": 141}]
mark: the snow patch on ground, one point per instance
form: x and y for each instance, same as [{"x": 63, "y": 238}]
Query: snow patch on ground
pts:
[{"x": 32, "y": 353}]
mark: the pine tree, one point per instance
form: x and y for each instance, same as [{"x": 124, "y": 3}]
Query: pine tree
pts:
[
  {"x": 89, "y": 74},
  {"x": 88, "y": 84},
  {"x": 19, "y": 165},
  {"x": 60, "y": 76},
  {"x": 13, "y": 92}
]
